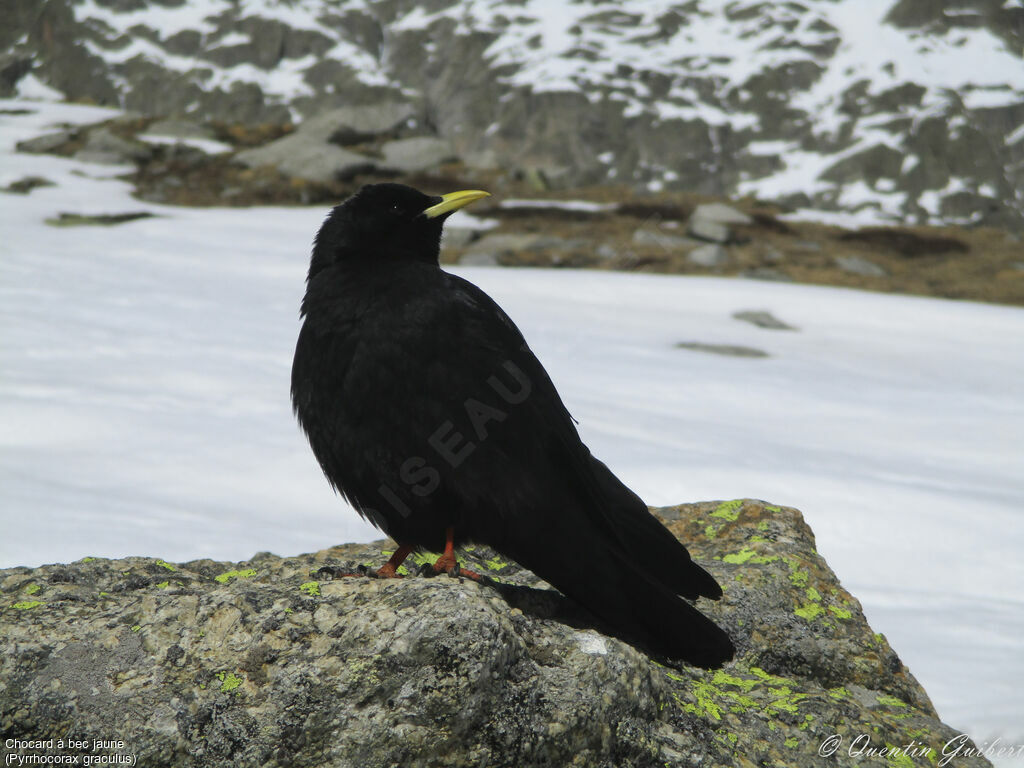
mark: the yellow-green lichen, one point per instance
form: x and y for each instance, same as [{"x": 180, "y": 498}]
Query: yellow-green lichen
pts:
[
  {"x": 165, "y": 564},
  {"x": 839, "y": 692},
  {"x": 705, "y": 704},
  {"x": 739, "y": 557},
  {"x": 87, "y": 559},
  {"x": 797, "y": 576},
  {"x": 136, "y": 627},
  {"x": 311, "y": 588},
  {"x": 890, "y": 701},
  {"x": 31, "y": 589},
  {"x": 792, "y": 742},
  {"x": 227, "y": 576},
  {"x": 728, "y": 510},
  {"x": 363, "y": 670},
  {"x": 163, "y": 585},
  {"x": 813, "y": 594},
  {"x": 897, "y": 758},
  {"x": 748, "y": 555},
  {"x": 229, "y": 681},
  {"x": 27, "y": 605},
  {"x": 495, "y": 564},
  {"x": 424, "y": 558},
  {"x": 840, "y": 613},
  {"x": 809, "y": 611},
  {"x": 773, "y": 508},
  {"x": 764, "y": 692},
  {"x": 709, "y": 531},
  {"x": 763, "y": 525}
]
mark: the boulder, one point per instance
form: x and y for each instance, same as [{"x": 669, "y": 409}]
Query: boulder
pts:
[
  {"x": 13, "y": 67},
  {"x": 48, "y": 142},
  {"x": 858, "y": 265},
  {"x": 762, "y": 318},
  {"x": 181, "y": 129},
  {"x": 656, "y": 236},
  {"x": 491, "y": 250},
  {"x": 351, "y": 125},
  {"x": 295, "y": 155},
  {"x": 104, "y": 146},
  {"x": 285, "y": 661},
  {"x": 312, "y": 152},
  {"x": 711, "y": 221},
  {"x": 419, "y": 153},
  {"x": 710, "y": 255}
]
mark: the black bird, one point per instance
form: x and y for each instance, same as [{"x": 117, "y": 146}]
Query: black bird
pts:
[{"x": 427, "y": 410}]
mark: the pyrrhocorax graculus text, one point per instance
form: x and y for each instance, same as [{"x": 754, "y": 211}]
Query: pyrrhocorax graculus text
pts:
[{"x": 427, "y": 410}]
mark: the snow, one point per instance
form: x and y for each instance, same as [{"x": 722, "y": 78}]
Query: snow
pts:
[
  {"x": 608, "y": 50},
  {"x": 144, "y": 398},
  {"x": 209, "y": 146},
  {"x": 563, "y": 205}
]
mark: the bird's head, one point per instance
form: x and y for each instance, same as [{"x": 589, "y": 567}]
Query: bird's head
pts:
[{"x": 384, "y": 223}]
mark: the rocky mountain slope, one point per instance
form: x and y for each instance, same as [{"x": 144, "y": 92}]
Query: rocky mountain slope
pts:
[
  {"x": 288, "y": 662},
  {"x": 904, "y": 110}
]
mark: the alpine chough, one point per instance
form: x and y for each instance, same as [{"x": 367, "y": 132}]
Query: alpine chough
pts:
[{"x": 427, "y": 410}]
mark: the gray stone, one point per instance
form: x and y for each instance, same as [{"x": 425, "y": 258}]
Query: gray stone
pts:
[
  {"x": 658, "y": 237},
  {"x": 105, "y": 147},
  {"x": 182, "y": 129},
  {"x": 295, "y": 155},
  {"x": 420, "y": 153},
  {"x": 729, "y": 350},
  {"x": 711, "y": 255},
  {"x": 13, "y": 67},
  {"x": 858, "y": 265},
  {"x": 482, "y": 160},
  {"x": 767, "y": 273},
  {"x": 714, "y": 231},
  {"x": 353, "y": 124},
  {"x": 493, "y": 249},
  {"x": 723, "y": 214},
  {"x": 458, "y": 237},
  {"x": 711, "y": 221},
  {"x": 45, "y": 143},
  {"x": 274, "y": 661},
  {"x": 26, "y": 184},
  {"x": 309, "y": 153},
  {"x": 762, "y": 319}
]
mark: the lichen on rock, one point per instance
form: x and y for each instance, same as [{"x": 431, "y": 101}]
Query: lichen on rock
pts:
[{"x": 288, "y": 662}]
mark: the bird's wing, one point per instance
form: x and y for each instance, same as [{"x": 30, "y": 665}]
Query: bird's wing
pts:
[{"x": 540, "y": 438}]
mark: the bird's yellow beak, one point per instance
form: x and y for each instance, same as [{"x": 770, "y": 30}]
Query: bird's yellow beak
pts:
[{"x": 453, "y": 201}]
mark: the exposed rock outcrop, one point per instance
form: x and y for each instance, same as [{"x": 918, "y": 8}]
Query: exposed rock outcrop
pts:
[
  {"x": 598, "y": 96},
  {"x": 284, "y": 662}
]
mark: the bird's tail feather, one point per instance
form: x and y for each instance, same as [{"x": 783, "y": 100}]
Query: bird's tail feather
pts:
[{"x": 633, "y": 604}]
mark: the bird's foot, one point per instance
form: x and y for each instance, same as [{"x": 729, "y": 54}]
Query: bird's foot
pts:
[
  {"x": 387, "y": 571},
  {"x": 447, "y": 563}
]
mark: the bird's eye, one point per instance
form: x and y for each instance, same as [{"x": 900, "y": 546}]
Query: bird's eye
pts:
[{"x": 396, "y": 210}]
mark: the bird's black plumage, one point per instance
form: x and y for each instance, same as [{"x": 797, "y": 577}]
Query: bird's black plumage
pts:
[{"x": 427, "y": 410}]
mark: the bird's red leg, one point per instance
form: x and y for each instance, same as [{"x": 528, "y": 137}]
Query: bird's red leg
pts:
[
  {"x": 390, "y": 569},
  {"x": 447, "y": 563}
]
